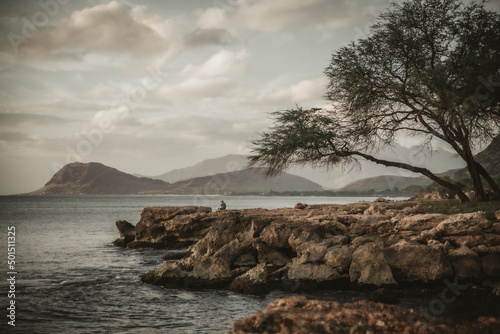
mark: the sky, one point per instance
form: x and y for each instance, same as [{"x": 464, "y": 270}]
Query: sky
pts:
[{"x": 149, "y": 86}]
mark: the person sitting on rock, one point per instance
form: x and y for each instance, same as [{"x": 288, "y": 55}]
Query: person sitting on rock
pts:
[{"x": 222, "y": 206}]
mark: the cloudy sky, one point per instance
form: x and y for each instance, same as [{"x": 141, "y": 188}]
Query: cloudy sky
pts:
[{"x": 148, "y": 86}]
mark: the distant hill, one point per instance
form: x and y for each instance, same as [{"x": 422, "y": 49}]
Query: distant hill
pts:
[
  {"x": 249, "y": 180},
  {"x": 98, "y": 179},
  {"x": 383, "y": 182},
  {"x": 225, "y": 164}
]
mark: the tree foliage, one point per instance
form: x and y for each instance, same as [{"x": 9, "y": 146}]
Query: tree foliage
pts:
[{"x": 429, "y": 68}]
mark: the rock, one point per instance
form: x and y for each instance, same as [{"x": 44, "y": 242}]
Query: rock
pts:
[
  {"x": 170, "y": 227},
  {"x": 268, "y": 255},
  {"x": 460, "y": 224},
  {"x": 299, "y": 237},
  {"x": 420, "y": 222},
  {"x": 245, "y": 260},
  {"x": 211, "y": 268},
  {"x": 169, "y": 274},
  {"x": 497, "y": 215},
  {"x": 312, "y": 252},
  {"x": 339, "y": 258},
  {"x": 276, "y": 234},
  {"x": 412, "y": 262},
  {"x": 465, "y": 262},
  {"x": 490, "y": 262},
  {"x": 298, "y": 314},
  {"x": 321, "y": 245},
  {"x": 369, "y": 266},
  {"x": 127, "y": 233},
  {"x": 253, "y": 281},
  {"x": 300, "y": 206},
  {"x": 315, "y": 272},
  {"x": 374, "y": 209}
]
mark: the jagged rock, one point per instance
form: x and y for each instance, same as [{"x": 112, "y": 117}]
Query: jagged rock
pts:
[
  {"x": 412, "y": 262},
  {"x": 310, "y": 271},
  {"x": 324, "y": 245},
  {"x": 312, "y": 252},
  {"x": 169, "y": 274},
  {"x": 460, "y": 224},
  {"x": 211, "y": 268},
  {"x": 339, "y": 258},
  {"x": 369, "y": 266},
  {"x": 374, "y": 209},
  {"x": 268, "y": 255},
  {"x": 298, "y": 314},
  {"x": 253, "y": 281},
  {"x": 127, "y": 233},
  {"x": 276, "y": 234},
  {"x": 245, "y": 260},
  {"x": 170, "y": 227},
  {"x": 419, "y": 222}
]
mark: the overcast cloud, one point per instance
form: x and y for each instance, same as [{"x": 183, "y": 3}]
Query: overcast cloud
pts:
[{"x": 149, "y": 86}]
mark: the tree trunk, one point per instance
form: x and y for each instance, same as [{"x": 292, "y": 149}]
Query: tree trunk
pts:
[
  {"x": 488, "y": 178},
  {"x": 475, "y": 177},
  {"x": 424, "y": 171}
]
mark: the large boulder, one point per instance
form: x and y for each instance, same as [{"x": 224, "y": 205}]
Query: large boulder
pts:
[
  {"x": 413, "y": 262},
  {"x": 474, "y": 223},
  {"x": 465, "y": 262},
  {"x": 339, "y": 258},
  {"x": 369, "y": 266}
]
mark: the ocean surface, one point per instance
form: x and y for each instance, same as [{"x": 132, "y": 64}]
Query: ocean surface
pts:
[{"x": 69, "y": 278}]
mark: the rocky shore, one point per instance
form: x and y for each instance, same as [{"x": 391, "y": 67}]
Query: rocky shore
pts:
[
  {"x": 380, "y": 245},
  {"x": 300, "y": 315},
  {"x": 317, "y": 247}
]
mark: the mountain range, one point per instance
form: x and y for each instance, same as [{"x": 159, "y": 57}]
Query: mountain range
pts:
[
  {"x": 97, "y": 179},
  {"x": 230, "y": 175}
]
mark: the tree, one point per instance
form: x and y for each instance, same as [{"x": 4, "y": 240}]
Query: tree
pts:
[{"x": 429, "y": 68}]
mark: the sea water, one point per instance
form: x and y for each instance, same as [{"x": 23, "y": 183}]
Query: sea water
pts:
[{"x": 70, "y": 278}]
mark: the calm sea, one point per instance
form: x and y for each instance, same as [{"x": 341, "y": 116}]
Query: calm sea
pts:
[{"x": 71, "y": 279}]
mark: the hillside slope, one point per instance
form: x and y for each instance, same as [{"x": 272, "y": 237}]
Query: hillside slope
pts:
[
  {"x": 249, "y": 180},
  {"x": 98, "y": 179},
  {"x": 383, "y": 182},
  {"x": 225, "y": 164}
]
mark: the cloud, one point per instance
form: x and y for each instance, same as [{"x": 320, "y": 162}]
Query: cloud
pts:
[
  {"x": 222, "y": 63},
  {"x": 112, "y": 27},
  {"x": 16, "y": 119},
  {"x": 278, "y": 15},
  {"x": 212, "y": 78},
  {"x": 200, "y": 37},
  {"x": 303, "y": 91}
]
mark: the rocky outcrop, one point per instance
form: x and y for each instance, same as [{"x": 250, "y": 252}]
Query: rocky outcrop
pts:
[
  {"x": 300, "y": 315},
  {"x": 166, "y": 227},
  {"x": 320, "y": 247},
  {"x": 127, "y": 233}
]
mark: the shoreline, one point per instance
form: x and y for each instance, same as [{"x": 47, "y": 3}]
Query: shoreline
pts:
[{"x": 381, "y": 247}]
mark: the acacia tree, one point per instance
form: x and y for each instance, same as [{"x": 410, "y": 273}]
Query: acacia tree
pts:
[{"x": 429, "y": 68}]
